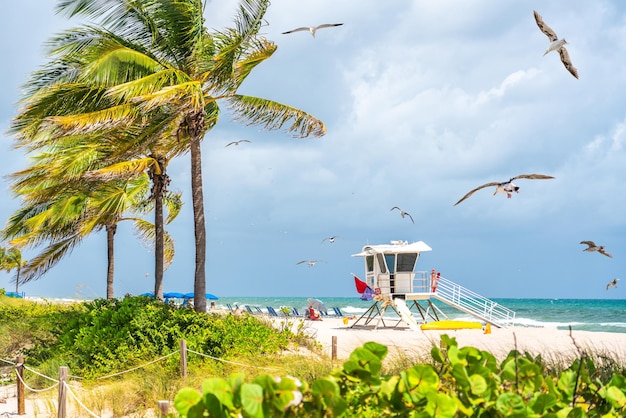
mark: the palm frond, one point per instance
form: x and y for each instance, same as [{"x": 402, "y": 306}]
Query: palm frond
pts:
[
  {"x": 147, "y": 234},
  {"x": 173, "y": 203},
  {"x": 48, "y": 258},
  {"x": 124, "y": 169},
  {"x": 190, "y": 94},
  {"x": 148, "y": 85},
  {"x": 119, "y": 64},
  {"x": 273, "y": 115},
  {"x": 86, "y": 123}
]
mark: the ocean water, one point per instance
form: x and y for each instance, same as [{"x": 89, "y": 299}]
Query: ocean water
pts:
[{"x": 606, "y": 315}]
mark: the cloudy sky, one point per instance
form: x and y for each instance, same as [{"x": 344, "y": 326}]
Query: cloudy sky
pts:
[{"x": 423, "y": 101}]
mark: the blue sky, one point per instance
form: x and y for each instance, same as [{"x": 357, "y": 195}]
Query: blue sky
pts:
[{"x": 423, "y": 101}]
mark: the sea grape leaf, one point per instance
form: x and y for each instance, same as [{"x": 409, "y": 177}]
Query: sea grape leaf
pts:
[
  {"x": 252, "y": 399},
  {"x": 327, "y": 391},
  {"x": 220, "y": 389},
  {"x": 420, "y": 380},
  {"x": 510, "y": 404},
  {"x": 543, "y": 403},
  {"x": 616, "y": 397},
  {"x": 185, "y": 399},
  {"x": 441, "y": 405}
]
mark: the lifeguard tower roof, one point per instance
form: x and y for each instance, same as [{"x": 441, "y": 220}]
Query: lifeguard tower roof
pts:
[{"x": 396, "y": 247}]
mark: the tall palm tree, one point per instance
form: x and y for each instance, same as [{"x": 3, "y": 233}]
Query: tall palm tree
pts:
[
  {"x": 151, "y": 68},
  {"x": 12, "y": 259}
]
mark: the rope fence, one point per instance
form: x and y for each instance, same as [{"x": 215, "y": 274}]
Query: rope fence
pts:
[{"x": 64, "y": 388}]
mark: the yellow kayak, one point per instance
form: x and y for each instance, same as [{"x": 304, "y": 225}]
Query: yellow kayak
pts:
[{"x": 451, "y": 324}]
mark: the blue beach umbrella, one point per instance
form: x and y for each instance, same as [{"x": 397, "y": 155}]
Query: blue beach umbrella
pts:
[
  {"x": 174, "y": 295},
  {"x": 148, "y": 294}
]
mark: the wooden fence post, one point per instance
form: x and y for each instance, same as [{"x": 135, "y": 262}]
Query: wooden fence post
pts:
[
  {"x": 164, "y": 408},
  {"x": 62, "y": 409},
  {"x": 334, "y": 348},
  {"x": 183, "y": 358},
  {"x": 19, "y": 369}
]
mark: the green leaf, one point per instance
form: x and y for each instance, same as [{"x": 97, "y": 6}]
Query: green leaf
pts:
[
  {"x": 185, "y": 399},
  {"x": 616, "y": 397},
  {"x": 220, "y": 389},
  {"x": 478, "y": 384},
  {"x": 441, "y": 405},
  {"x": 420, "y": 380},
  {"x": 328, "y": 392},
  {"x": 510, "y": 403},
  {"x": 543, "y": 403},
  {"x": 252, "y": 399}
]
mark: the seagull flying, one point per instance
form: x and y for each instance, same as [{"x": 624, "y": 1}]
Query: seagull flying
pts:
[
  {"x": 507, "y": 187},
  {"x": 612, "y": 284},
  {"x": 556, "y": 44},
  {"x": 311, "y": 263},
  {"x": 403, "y": 213},
  {"x": 312, "y": 29},
  {"x": 237, "y": 142},
  {"x": 591, "y": 247},
  {"x": 331, "y": 239}
]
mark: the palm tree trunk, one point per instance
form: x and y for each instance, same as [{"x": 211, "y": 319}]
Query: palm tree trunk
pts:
[
  {"x": 199, "y": 283},
  {"x": 17, "y": 280},
  {"x": 111, "y": 229},
  {"x": 160, "y": 184}
]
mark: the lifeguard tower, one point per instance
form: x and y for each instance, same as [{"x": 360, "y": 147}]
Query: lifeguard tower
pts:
[{"x": 390, "y": 273}]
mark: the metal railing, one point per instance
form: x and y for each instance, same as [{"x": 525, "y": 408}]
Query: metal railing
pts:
[{"x": 474, "y": 304}]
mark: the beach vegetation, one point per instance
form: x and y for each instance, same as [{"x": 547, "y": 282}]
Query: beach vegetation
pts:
[
  {"x": 461, "y": 381},
  {"x": 243, "y": 365}
]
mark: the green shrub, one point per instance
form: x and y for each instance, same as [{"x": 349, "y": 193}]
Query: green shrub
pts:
[
  {"x": 461, "y": 382},
  {"x": 107, "y": 336}
]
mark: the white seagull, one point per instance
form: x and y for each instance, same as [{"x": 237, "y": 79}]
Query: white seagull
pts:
[
  {"x": 612, "y": 284},
  {"x": 507, "y": 187},
  {"x": 556, "y": 44},
  {"x": 331, "y": 239},
  {"x": 313, "y": 29},
  {"x": 591, "y": 247},
  {"x": 403, "y": 213},
  {"x": 237, "y": 142},
  {"x": 311, "y": 263}
]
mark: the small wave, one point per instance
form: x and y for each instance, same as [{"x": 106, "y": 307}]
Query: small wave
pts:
[
  {"x": 353, "y": 310},
  {"x": 528, "y": 322},
  {"x": 613, "y": 324}
]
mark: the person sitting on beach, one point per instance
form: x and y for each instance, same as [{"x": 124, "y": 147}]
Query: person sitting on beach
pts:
[{"x": 312, "y": 315}]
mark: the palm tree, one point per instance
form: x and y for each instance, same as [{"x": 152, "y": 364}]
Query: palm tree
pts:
[
  {"x": 61, "y": 213},
  {"x": 12, "y": 259},
  {"x": 180, "y": 70},
  {"x": 152, "y": 72}
]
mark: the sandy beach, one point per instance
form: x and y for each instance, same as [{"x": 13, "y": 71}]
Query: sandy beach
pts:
[{"x": 551, "y": 343}]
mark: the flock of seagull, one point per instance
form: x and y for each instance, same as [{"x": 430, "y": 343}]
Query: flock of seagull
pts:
[{"x": 507, "y": 187}]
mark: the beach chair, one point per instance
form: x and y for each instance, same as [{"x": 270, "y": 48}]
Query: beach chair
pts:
[
  {"x": 295, "y": 312},
  {"x": 271, "y": 311},
  {"x": 230, "y": 308},
  {"x": 258, "y": 310},
  {"x": 249, "y": 309},
  {"x": 337, "y": 311}
]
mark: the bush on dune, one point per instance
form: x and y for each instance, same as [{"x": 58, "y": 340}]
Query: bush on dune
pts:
[{"x": 109, "y": 335}]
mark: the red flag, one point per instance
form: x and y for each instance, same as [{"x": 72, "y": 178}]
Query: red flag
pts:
[{"x": 361, "y": 286}]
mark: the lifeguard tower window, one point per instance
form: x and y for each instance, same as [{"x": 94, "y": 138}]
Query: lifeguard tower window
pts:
[
  {"x": 391, "y": 262},
  {"x": 369, "y": 262},
  {"x": 406, "y": 262},
  {"x": 381, "y": 263}
]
